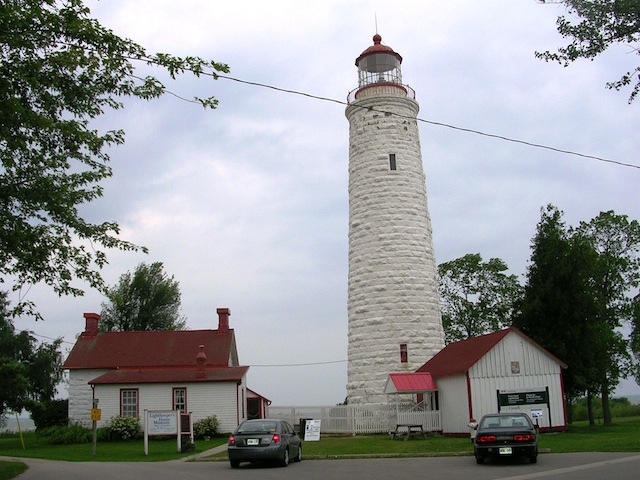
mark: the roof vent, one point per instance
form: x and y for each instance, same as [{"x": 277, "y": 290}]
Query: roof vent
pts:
[{"x": 201, "y": 360}]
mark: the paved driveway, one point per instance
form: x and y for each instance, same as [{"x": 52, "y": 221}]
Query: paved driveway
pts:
[{"x": 578, "y": 466}]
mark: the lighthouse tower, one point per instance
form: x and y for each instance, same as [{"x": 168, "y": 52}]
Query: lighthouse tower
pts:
[{"x": 395, "y": 323}]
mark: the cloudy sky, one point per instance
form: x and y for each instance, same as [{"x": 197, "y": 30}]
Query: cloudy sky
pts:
[{"x": 247, "y": 205}]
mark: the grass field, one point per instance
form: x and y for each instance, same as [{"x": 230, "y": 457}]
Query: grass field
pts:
[
  {"x": 123, "y": 451},
  {"x": 623, "y": 436}
]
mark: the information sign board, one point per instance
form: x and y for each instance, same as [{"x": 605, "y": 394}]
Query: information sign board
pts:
[
  {"x": 162, "y": 422},
  {"x": 312, "y": 430},
  {"x": 511, "y": 398}
]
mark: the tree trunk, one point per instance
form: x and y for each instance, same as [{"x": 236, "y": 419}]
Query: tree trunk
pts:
[
  {"x": 590, "y": 408},
  {"x": 606, "y": 408},
  {"x": 571, "y": 404}
]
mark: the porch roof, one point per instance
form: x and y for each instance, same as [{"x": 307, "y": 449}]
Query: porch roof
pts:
[{"x": 410, "y": 383}]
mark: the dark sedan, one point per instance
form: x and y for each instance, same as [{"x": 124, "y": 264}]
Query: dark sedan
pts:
[
  {"x": 264, "y": 440},
  {"x": 506, "y": 435}
]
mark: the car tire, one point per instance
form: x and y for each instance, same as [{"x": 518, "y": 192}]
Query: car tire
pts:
[
  {"x": 299, "y": 455},
  {"x": 234, "y": 463},
  {"x": 479, "y": 460},
  {"x": 285, "y": 458},
  {"x": 533, "y": 459}
]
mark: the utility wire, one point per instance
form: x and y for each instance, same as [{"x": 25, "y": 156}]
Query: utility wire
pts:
[
  {"x": 302, "y": 364},
  {"x": 215, "y": 76},
  {"x": 438, "y": 124}
]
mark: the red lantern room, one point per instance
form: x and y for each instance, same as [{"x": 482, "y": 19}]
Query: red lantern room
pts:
[{"x": 378, "y": 64}]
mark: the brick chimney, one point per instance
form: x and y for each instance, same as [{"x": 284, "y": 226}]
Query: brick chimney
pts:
[
  {"x": 201, "y": 360},
  {"x": 91, "y": 325},
  {"x": 223, "y": 320}
]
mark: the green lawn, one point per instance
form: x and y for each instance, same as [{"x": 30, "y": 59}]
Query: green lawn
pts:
[
  {"x": 623, "y": 436},
  {"x": 125, "y": 451},
  {"x": 11, "y": 469}
]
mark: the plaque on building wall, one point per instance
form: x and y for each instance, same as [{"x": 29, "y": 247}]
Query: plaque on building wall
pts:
[{"x": 509, "y": 398}]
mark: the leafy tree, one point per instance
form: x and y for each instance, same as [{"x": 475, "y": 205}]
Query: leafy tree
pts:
[
  {"x": 50, "y": 413},
  {"x": 557, "y": 309},
  {"x": 635, "y": 337},
  {"x": 617, "y": 243},
  {"x": 148, "y": 299},
  {"x": 477, "y": 297},
  {"x": 578, "y": 287},
  {"x": 29, "y": 371},
  {"x": 602, "y": 23},
  {"x": 59, "y": 70}
]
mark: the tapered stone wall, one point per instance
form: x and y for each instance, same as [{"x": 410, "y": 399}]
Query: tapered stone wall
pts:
[{"x": 392, "y": 298}]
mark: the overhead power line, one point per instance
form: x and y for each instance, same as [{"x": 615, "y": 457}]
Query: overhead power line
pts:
[
  {"x": 311, "y": 364},
  {"x": 216, "y": 75},
  {"x": 439, "y": 124}
]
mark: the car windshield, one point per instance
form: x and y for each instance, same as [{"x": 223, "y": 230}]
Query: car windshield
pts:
[
  {"x": 257, "y": 427},
  {"x": 505, "y": 421}
]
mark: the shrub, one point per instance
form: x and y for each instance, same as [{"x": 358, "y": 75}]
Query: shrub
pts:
[
  {"x": 51, "y": 413},
  {"x": 66, "y": 435},
  {"x": 206, "y": 428},
  {"x": 187, "y": 447},
  {"x": 124, "y": 428}
]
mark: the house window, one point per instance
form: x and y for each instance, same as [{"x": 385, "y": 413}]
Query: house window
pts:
[
  {"x": 129, "y": 403},
  {"x": 404, "y": 356},
  {"x": 180, "y": 399},
  {"x": 392, "y": 161}
]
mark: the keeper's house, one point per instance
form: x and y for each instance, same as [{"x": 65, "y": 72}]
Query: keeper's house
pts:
[
  {"x": 193, "y": 371},
  {"x": 499, "y": 372}
]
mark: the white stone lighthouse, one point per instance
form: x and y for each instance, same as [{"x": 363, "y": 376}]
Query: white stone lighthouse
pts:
[{"x": 393, "y": 307}]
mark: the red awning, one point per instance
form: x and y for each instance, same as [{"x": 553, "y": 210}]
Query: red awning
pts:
[{"x": 410, "y": 383}]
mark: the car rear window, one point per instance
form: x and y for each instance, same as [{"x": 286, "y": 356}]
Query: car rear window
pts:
[
  {"x": 257, "y": 427},
  {"x": 505, "y": 421}
]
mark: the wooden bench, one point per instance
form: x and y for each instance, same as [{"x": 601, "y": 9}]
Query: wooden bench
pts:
[{"x": 406, "y": 430}]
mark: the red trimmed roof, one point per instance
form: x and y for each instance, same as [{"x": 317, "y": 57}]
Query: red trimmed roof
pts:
[
  {"x": 171, "y": 375},
  {"x": 161, "y": 348},
  {"x": 459, "y": 357},
  {"x": 410, "y": 383},
  {"x": 378, "y": 47}
]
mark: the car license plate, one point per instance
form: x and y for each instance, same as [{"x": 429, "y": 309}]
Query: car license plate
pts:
[
  {"x": 505, "y": 451},
  {"x": 252, "y": 441}
]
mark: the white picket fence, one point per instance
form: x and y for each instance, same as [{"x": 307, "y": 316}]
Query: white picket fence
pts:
[{"x": 357, "y": 419}]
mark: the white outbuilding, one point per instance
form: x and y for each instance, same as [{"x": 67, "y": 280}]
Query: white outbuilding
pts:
[{"x": 498, "y": 372}]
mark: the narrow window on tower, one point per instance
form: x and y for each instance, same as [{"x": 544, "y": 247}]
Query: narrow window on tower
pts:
[
  {"x": 404, "y": 356},
  {"x": 392, "y": 161}
]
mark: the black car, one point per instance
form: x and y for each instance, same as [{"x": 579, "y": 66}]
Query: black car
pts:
[
  {"x": 264, "y": 440},
  {"x": 505, "y": 435}
]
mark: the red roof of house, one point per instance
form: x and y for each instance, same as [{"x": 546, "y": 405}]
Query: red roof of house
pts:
[
  {"x": 410, "y": 383},
  {"x": 459, "y": 357},
  {"x": 161, "y": 348},
  {"x": 171, "y": 375}
]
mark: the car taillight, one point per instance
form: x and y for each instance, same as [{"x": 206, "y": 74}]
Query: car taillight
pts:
[
  {"x": 486, "y": 438},
  {"x": 275, "y": 438},
  {"x": 232, "y": 440},
  {"x": 524, "y": 438}
]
